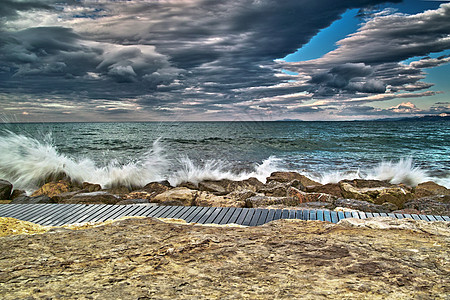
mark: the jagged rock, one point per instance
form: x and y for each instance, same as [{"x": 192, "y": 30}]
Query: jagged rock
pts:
[
  {"x": 226, "y": 186},
  {"x": 5, "y": 189},
  {"x": 264, "y": 201},
  {"x": 17, "y": 193},
  {"x": 155, "y": 188},
  {"x": 274, "y": 189},
  {"x": 241, "y": 195},
  {"x": 32, "y": 200},
  {"x": 407, "y": 211},
  {"x": 118, "y": 190},
  {"x": 91, "y": 187},
  {"x": 184, "y": 195},
  {"x": 146, "y": 258},
  {"x": 302, "y": 197},
  {"x": 208, "y": 199},
  {"x": 93, "y": 198},
  {"x": 133, "y": 201},
  {"x": 60, "y": 198},
  {"x": 433, "y": 205},
  {"x": 430, "y": 188},
  {"x": 53, "y": 188},
  {"x": 316, "y": 205},
  {"x": 374, "y": 191},
  {"x": 329, "y": 188},
  {"x": 365, "y": 206},
  {"x": 188, "y": 185},
  {"x": 289, "y": 176}
]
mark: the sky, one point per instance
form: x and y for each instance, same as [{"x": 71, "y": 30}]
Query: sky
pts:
[{"x": 208, "y": 60}]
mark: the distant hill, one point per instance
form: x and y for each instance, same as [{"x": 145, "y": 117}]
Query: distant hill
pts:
[{"x": 442, "y": 117}]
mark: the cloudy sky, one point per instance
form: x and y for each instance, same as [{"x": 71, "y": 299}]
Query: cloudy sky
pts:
[{"x": 153, "y": 60}]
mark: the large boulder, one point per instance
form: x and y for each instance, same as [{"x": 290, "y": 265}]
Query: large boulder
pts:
[
  {"x": 32, "y": 200},
  {"x": 226, "y": 186},
  {"x": 329, "y": 188},
  {"x": 433, "y": 205},
  {"x": 182, "y": 195},
  {"x": 365, "y": 206},
  {"x": 5, "y": 189},
  {"x": 302, "y": 197},
  {"x": 100, "y": 197},
  {"x": 208, "y": 199},
  {"x": 289, "y": 176},
  {"x": 53, "y": 188},
  {"x": 91, "y": 187},
  {"x": 430, "y": 188},
  {"x": 266, "y": 201}
]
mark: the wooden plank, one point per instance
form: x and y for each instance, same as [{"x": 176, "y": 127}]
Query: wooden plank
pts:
[
  {"x": 255, "y": 217},
  {"x": 399, "y": 216},
  {"x": 270, "y": 216},
  {"x": 157, "y": 210},
  {"x": 327, "y": 215},
  {"x": 383, "y": 214},
  {"x": 97, "y": 210},
  {"x": 107, "y": 210},
  {"x": 180, "y": 212},
  {"x": 416, "y": 217},
  {"x": 262, "y": 217},
  {"x": 446, "y": 218},
  {"x": 10, "y": 210},
  {"x": 230, "y": 212},
  {"x": 193, "y": 214},
  {"x": 199, "y": 215},
  {"x": 407, "y": 216},
  {"x": 348, "y": 214},
  {"x": 121, "y": 212},
  {"x": 391, "y": 215},
  {"x": 159, "y": 213},
  {"x": 214, "y": 215},
  {"x": 341, "y": 215},
  {"x": 147, "y": 210},
  {"x": 299, "y": 214},
  {"x": 362, "y": 215},
  {"x": 248, "y": 217},
  {"x": 285, "y": 214},
  {"x": 221, "y": 215},
  {"x": 305, "y": 214},
  {"x": 355, "y": 215},
  {"x": 45, "y": 214},
  {"x": 312, "y": 214},
  {"x": 242, "y": 216},
  {"x": 431, "y": 218},
  {"x": 423, "y": 217},
  {"x": 277, "y": 215},
  {"x": 376, "y": 214},
  {"x": 369, "y": 214},
  {"x": 141, "y": 208},
  {"x": 319, "y": 215},
  {"x": 206, "y": 214},
  {"x": 439, "y": 218},
  {"x": 235, "y": 216},
  {"x": 53, "y": 217},
  {"x": 78, "y": 215},
  {"x": 334, "y": 216},
  {"x": 67, "y": 214},
  {"x": 291, "y": 214},
  {"x": 171, "y": 212},
  {"x": 29, "y": 210},
  {"x": 187, "y": 212}
]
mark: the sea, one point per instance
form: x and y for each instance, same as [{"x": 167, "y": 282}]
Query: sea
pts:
[{"x": 134, "y": 154}]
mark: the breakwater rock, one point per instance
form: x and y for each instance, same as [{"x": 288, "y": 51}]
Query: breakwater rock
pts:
[{"x": 148, "y": 259}]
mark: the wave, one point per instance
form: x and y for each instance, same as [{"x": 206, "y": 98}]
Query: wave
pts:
[{"x": 29, "y": 163}]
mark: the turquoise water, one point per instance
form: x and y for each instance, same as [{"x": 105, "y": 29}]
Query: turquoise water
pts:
[{"x": 326, "y": 151}]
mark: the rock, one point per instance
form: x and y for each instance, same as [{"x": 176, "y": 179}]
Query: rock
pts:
[
  {"x": 91, "y": 187},
  {"x": 374, "y": 191},
  {"x": 407, "y": 211},
  {"x": 226, "y": 186},
  {"x": 365, "y": 206},
  {"x": 134, "y": 201},
  {"x": 208, "y": 199},
  {"x": 5, "y": 189},
  {"x": 32, "y": 200},
  {"x": 60, "y": 198},
  {"x": 53, "y": 188},
  {"x": 329, "y": 188},
  {"x": 285, "y": 259},
  {"x": 302, "y": 197},
  {"x": 289, "y": 176},
  {"x": 241, "y": 195},
  {"x": 316, "y": 205},
  {"x": 433, "y": 205},
  {"x": 100, "y": 197},
  {"x": 184, "y": 195},
  {"x": 274, "y": 189},
  {"x": 17, "y": 193},
  {"x": 118, "y": 190},
  {"x": 430, "y": 188},
  {"x": 265, "y": 201},
  {"x": 155, "y": 188},
  {"x": 188, "y": 185}
]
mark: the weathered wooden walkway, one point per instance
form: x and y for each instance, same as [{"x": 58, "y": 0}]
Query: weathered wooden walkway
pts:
[{"x": 60, "y": 214}]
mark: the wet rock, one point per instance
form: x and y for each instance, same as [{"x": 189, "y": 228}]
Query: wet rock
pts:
[
  {"x": 303, "y": 197},
  {"x": 32, "y": 200},
  {"x": 430, "y": 188},
  {"x": 145, "y": 258},
  {"x": 226, "y": 186},
  {"x": 100, "y": 197},
  {"x": 208, "y": 199},
  {"x": 433, "y": 205},
  {"x": 60, "y": 198},
  {"x": 241, "y": 195},
  {"x": 365, "y": 206},
  {"x": 289, "y": 176},
  {"x": 184, "y": 195},
  {"x": 329, "y": 188},
  {"x": 377, "y": 192},
  {"x": 188, "y": 185},
  {"x": 53, "y": 188},
  {"x": 91, "y": 187},
  {"x": 155, "y": 188},
  {"x": 17, "y": 193},
  {"x": 265, "y": 201},
  {"x": 133, "y": 201},
  {"x": 274, "y": 189},
  {"x": 5, "y": 189},
  {"x": 118, "y": 190}
]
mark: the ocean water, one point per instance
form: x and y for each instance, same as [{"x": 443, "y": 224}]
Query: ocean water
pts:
[{"x": 137, "y": 153}]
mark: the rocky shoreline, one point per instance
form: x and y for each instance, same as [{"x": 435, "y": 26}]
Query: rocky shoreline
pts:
[{"x": 281, "y": 190}]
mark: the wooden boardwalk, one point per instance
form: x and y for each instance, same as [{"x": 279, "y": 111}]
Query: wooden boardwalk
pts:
[{"x": 60, "y": 214}]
